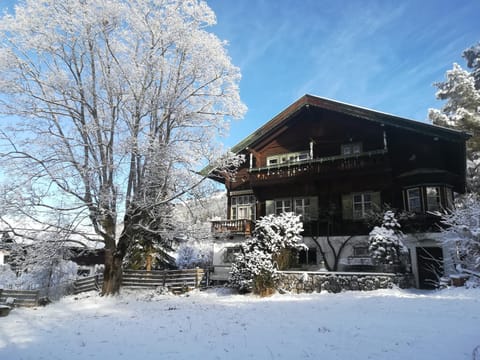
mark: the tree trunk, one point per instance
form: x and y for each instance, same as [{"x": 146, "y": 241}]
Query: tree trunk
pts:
[
  {"x": 114, "y": 254},
  {"x": 112, "y": 275},
  {"x": 148, "y": 262}
]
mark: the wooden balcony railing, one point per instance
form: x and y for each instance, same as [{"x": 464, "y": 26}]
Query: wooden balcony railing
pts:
[
  {"x": 326, "y": 165},
  {"x": 234, "y": 227}
]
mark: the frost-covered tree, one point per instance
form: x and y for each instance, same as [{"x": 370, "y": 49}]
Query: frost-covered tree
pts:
[
  {"x": 386, "y": 244},
  {"x": 461, "y": 234},
  {"x": 472, "y": 56},
  {"x": 461, "y": 92},
  {"x": 193, "y": 228},
  {"x": 113, "y": 107},
  {"x": 256, "y": 265},
  {"x": 42, "y": 263}
]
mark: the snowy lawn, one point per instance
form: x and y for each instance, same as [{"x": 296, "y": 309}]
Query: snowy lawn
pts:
[{"x": 383, "y": 324}]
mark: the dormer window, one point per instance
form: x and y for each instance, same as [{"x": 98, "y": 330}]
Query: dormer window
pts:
[{"x": 351, "y": 149}]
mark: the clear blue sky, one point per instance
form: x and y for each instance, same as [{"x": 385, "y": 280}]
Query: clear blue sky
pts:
[
  {"x": 384, "y": 55},
  {"x": 380, "y": 54}
]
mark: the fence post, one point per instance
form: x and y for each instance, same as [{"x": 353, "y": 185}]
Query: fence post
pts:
[{"x": 196, "y": 277}]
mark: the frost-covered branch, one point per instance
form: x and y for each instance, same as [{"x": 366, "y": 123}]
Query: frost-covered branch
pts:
[{"x": 115, "y": 106}]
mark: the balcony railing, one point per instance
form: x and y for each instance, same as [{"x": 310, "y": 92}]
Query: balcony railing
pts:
[
  {"x": 325, "y": 165},
  {"x": 234, "y": 227}
]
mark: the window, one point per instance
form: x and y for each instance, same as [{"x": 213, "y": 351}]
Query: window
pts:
[
  {"x": 230, "y": 254},
  {"x": 428, "y": 198},
  {"x": 287, "y": 158},
  {"x": 362, "y": 205},
  {"x": 414, "y": 200},
  {"x": 242, "y": 207},
  {"x": 352, "y": 149},
  {"x": 307, "y": 257},
  {"x": 361, "y": 251},
  {"x": 433, "y": 198},
  {"x": 302, "y": 208},
  {"x": 284, "y": 205}
]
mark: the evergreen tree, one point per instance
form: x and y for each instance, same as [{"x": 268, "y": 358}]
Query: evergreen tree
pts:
[
  {"x": 461, "y": 111},
  {"x": 256, "y": 265},
  {"x": 386, "y": 240}
]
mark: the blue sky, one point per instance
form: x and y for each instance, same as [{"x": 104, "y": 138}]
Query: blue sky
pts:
[
  {"x": 380, "y": 54},
  {"x": 384, "y": 55}
]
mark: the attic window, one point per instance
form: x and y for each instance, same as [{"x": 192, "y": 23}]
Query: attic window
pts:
[
  {"x": 288, "y": 158},
  {"x": 351, "y": 149}
]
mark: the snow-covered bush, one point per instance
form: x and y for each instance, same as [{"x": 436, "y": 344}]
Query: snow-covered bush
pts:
[
  {"x": 256, "y": 266},
  {"x": 195, "y": 253},
  {"x": 461, "y": 235},
  {"x": 386, "y": 240}
]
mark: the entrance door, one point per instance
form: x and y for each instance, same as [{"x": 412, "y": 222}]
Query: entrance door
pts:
[{"x": 430, "y": 266}]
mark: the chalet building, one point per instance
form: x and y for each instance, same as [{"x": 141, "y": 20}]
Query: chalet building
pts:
[{"x": 336, "y": 165}]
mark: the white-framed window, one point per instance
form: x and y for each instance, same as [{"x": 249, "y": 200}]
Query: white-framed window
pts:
[
  {"x": 361, "y": 251},
  {"x": 242, "y": 207},
  {"x": 288, "y": 158},
  {"x": 230, "y": 254},
  {"x": 414, "y": 199},
  {"x": 283, "y": 205},
  {"x": 351, "y": 149},
  {"x": 302, "y": 208},
  {"x": 433, "y": 198},
  {"x": 362, "y": 205}
]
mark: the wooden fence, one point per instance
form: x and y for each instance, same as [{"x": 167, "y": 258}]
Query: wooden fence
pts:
[
  {"x": 177, "y": 281},
  {"x": 20, "y": 298},
  {"x": 90, "y": 283}
]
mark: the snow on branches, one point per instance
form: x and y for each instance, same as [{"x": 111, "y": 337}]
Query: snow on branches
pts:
[
  {"x": 256, "y": 265},
  {"x": 461, "y": 110},
  {"x": 461, "y": 234},
  {"x": 386, "y": 240},
  {"x": 119, "y": 104}
]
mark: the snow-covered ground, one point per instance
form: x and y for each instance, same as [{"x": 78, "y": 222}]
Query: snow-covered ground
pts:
[{"x": 383, "y": 324}]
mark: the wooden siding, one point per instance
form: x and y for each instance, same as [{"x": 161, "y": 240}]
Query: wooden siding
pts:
[{"x": 320, "y": 167}]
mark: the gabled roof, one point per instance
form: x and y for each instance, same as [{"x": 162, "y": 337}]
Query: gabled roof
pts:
[{"x": 352, "y": 110}]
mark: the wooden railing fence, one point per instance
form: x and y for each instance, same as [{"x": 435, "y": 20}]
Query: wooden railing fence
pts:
[
  {"x": 90, "y": 283},
  {"x": 177, "y": 281},
  {"x": 20, "y": 298}
]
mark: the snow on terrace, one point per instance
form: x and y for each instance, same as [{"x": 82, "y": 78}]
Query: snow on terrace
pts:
[{"x": 383, "y": 324}]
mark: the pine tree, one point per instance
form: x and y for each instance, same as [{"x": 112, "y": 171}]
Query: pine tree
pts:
[
  {"x": 461, "y": 111},
  {"x": 256, "y": 265},
  {"x": 386, "y": 240}
]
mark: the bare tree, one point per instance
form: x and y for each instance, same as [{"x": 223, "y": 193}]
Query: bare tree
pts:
[{"x": 114, "y": 106}]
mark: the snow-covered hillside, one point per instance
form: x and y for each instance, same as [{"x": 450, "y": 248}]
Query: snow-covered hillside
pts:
[{"x": 383, "y": 324}]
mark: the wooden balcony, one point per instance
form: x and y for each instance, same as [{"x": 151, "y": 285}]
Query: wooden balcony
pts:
[
  {"x": 233, "y": 227},
  {"x": 325, "y": 166}
]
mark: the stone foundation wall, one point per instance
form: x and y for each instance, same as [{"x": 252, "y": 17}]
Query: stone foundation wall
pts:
[{"x": 305, "y": 282}]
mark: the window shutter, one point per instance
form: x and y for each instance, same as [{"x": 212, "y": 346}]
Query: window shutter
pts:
[
  {"x": 347, "y": 206},
  {"x": 376, "y": 201},
  {"x": 314, "y": 208},
  {"x": 269, "y": 207}
]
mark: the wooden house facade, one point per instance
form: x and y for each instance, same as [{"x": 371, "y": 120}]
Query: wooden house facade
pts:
[{"x": 336, "y": 164}]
